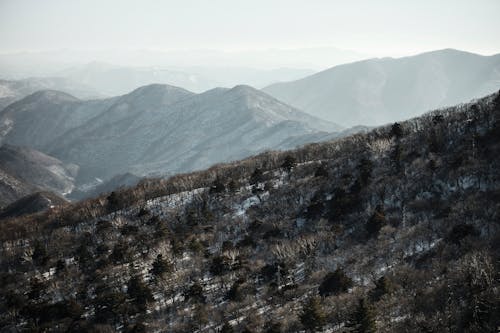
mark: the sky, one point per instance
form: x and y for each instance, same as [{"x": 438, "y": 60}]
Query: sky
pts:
[{"x": 365, "y": 28}]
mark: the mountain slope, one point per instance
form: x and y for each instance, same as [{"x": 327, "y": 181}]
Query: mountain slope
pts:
[
  {"x": 12, "y": 188},
  {"x": 378, "y": 91},
  {"x": 395, "y": 230},
  {"x": 32, "y": 203},
  {"x": 38, "y": 169},
  {"x": 155, "y": 129},
  {"x": 14, "y": 90},
  {"x": 193, "y": 133}
]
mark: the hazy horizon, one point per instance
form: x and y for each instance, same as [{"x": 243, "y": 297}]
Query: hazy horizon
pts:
[{"x": 258, "y": 34}]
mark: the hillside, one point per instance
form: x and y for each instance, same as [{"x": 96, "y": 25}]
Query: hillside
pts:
[
  {"x": 12, "y": 188},
  {"x": 155, "y": 129},
  {"x": 25, "y": 171},
  {"x": 380, "y": 91},
  {"x": 395, "y": 230},
  {"x": 32, "y": 203}
]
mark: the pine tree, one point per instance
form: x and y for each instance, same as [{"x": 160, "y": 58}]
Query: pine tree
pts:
[
  {"x": 363, "y": 319},
  {"x": 313, "y": 316},
  {"x": 335, "y": 283},
  {"x": 160, "y": 266},
  {"x": 376, "y": 222}
]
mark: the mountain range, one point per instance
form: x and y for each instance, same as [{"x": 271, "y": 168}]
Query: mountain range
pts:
[
  {"x": 156, "y": 128},
  {"x": 14, "y": 90},
  {"x": 393, "y": 230},
  {"x": 378, "y": 91}
]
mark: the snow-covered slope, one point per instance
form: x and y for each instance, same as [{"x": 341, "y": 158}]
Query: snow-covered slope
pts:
[{"x": 378, "y": 91}]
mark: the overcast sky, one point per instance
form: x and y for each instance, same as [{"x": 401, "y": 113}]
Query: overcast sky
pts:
[{"x": 375, "y": 28}]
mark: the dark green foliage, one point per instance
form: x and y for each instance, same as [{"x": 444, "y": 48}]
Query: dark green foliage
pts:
[
  {"x": 218, "y": 186},
  {"x": 114, "y": 201},
  {"x": 139, "y": 292},
  {"x": 237, "y": 292},
  {"x": 396, "y": 130},
  {"x": 119, "y": 253},
  {"x": 289, "y": 162},
  {"x": 321, "y": 171},
  {"x": 273, "y": 327},
  {"x": 195, "y": 293},
  {"x": 461, "y": 231},
  {"x": 313, "y": 316},
  {"x": 363, "y": 319},
  {"x": 376, "y": 221},
  {"x": 365, "y": 168},
  {"x": 219, "y": 266},
  {"x": 383, "y": 286},
  {"x": 257, "y": 176},
  {"x": 334, "y": 283},
  {"x": 227, "y": 328},
  {"x": 343, "y": 202},
  {"x": 40, "y": 256},
  {"x": 160, "y": 266}
]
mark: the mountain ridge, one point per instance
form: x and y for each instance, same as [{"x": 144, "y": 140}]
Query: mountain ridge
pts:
[{"x": 374, "y": 91}]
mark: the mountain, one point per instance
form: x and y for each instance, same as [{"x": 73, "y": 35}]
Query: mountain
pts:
[
  {"x": 94, "y": 190},
  {"x": 393, "y": 230},
  {"x": 32, "y": 203},
  {"x": 38, "y": 119},
  {"x": 14, "y": 90},
  {"x": 379, "y": 91},
  {"x": 38, "y": 169},
  {"x": 155, "y": 128},
  {"x": 118, "y": 80}
]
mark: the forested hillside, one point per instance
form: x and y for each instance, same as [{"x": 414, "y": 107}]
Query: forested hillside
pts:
[{"x": 395, "y": 230}]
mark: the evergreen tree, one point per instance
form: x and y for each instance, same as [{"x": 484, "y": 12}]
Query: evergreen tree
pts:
[
  {"x": 313, "y": 316},
  {"x": 335, "y": 283},
  {"x": 160, "y": 266},
  {"x": 289, "y": 163},
  {"x": 363, "y": 319},
  {"x": 376, "y": 222}
]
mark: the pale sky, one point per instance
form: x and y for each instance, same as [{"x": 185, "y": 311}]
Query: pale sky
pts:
[{"x": 375, "y": 28}]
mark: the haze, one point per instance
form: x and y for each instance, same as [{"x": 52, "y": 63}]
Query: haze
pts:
[{"x": 259, "y": 33}]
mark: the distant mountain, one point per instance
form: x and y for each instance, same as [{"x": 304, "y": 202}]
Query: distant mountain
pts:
[
  {"x": 156, "y": 128},
  {"x": 13, "y": 90},
  {"x": 37, "y": 169},
  {"x": 118, "y": 80},
  {"x": 38, "y": 119},
  {"x": 378, "y": 91},
  {"x": 32, "y": 203}
]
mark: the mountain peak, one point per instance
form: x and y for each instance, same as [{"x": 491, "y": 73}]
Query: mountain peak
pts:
[{"x": 53, "y": 96}]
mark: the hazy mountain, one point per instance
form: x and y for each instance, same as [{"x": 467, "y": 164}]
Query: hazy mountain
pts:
[
  {"x": 38, "y": 119},
  {"x": 118, "y": 80},
  {"x": 118, "y": 181},
  {"x": 37, "y": 168},
  {"x": 156, "y": 128},
  {"x": 146, "y": 131},
  {"x": 13, "y": 90},
  {"x": 394, "y": 230},
  {"x": 25, "y": 170},
  {"x": 378, "y": 91},
  {"x": 32, "y": 203}
]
